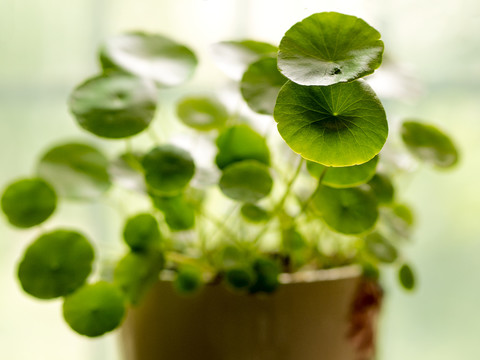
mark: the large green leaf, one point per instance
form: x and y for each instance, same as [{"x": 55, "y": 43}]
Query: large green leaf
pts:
[
  {"x": 202, "y": 112},
  {"x": 327, "y": 48},
  {"x": 95, "y": 309},
  {"x": 179, "y": 213},
  {"x": 28, "y": 202},
  {"x": 348, "y": 211},
  {"x": 344, "y": 177},
  {"x": 114, "y": 105},
  {"x": 76, "y": 170},
  {"x": 168, "y": 169},
  {"x": 233, "y": 57},
  {"x": 56, "y": 264},
  {"x": 246, "y": 181},
  {"x": 338, "y": 125},
  {"x": 260, "y": 85},
  {"x": 141, "y": 232},
  {"x": 238, "y": 143},
  {"x": 429, "y": 144},
  {"x": 151, "y": 56}
]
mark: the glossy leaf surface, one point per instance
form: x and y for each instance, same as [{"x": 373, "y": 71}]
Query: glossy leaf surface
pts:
[
  {"x": 114, "y": 105},
  {"x": 202, "y": 112},
  {"x": 95, "y": 309},
  {"x": 28, "y": 202},
  {"x": 347, "y": 211},
  {"x": 327, "y": 48},
  {"x": 247, "y": 181},
  {"x": 77, "y": 171},
  {"x": 429, "y": 144},
  {"x": 260, "y": 85},
  {"x": 150, "y": 56},
  {"x": 338, "y": 125},
  {"x": 56, "y": 264}
]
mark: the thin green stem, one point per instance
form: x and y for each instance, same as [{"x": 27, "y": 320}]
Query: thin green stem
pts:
[{"x": 220, "y": 225}]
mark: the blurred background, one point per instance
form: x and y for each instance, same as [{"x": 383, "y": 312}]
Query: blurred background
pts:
[{"x": 47, "y": 47}]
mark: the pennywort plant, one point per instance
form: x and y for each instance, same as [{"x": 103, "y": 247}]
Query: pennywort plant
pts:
[{"x": 261, "y": 208}]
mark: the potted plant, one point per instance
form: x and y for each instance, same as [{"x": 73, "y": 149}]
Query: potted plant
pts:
[{"x": 278, "y": 243}]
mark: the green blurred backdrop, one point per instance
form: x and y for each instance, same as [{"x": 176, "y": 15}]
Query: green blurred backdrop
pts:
[{"x": 48, "y": 46}]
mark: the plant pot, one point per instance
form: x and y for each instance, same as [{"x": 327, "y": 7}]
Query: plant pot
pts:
[{"x": 311, "y": 316}]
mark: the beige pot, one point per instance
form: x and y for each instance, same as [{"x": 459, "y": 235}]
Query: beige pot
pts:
[{"x": 305, "y": 319}]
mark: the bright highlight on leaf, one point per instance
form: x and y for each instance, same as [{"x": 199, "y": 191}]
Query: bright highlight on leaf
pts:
[
  {"x": 344, "y": 177},
  {"x": 328, "y": 48},
  {"x": 114, "y": 105},
  {"x": 338, "y": 125},
  {"x": 247, "y": 181},
  {"x": 77, "y": 171},
  {"x": 95, "y": 309},
  {"x": 168, "y": 169},
  {"x": 260, "y": 85},
  {"x": 28, "y": 202},
  {"x": 429, "y": 144},
  {"x": 202, "y": 112},
  {"x": 347, "y": 211},
  {"x": 56, "y": 264},
  {"x": 141, "y": 232},
  {"x": 150, "y": 56}
]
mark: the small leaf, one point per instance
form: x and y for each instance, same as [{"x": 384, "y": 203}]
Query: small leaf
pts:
[
  {"x": 135, "y": 273},
  {"x": 179, "y": 213},
  {"x": 260, "y": 85},
  {"x": 267, "y": 272},
  {"x": 28, "y": 202},
  {"x": 295, "y": 247},
  {"x": 327, "y": 48},
  {"x": 247, "y": 181},
  {"x": 188, "y": 281},
  {"x": 379, "y": 247},
  {"x": 239, "y": 278},
  {"x": 202, "y": 113},
  {"x": 141, "y": 232},
  {"x": 239, "y": 143},
  {"x": 338, "y": 125},
  {"x": 348, "y": 211},
  {"x": 168, "y": 169},
  {"x": 233, "y": 57},
  {"x": 77, "y": 171},
  {"x": 406, "y": 276},
  {"x": 344, "y": 177},
  {"x": 114, "y": 105},
  {"x": 127, "y": 171},
  {"x": 429, "y": 144},
  {"x": 95, "y": 309},
  {"x": 56, "y": 264},
  {"x": 254, "y": 213},
  {"x": 383, "y": 188},
  {"x": 150, "y": 56}
]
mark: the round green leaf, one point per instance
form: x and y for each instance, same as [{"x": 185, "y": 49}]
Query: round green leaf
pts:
[
  {"x": 56, "y": 264},
  {"x": 114, "y": 105},
  {"x": 135, "y": 273},
  {"x": 202, "y": 113},
  {"x": 328, "y": 48},
  {"x": 260, "y": 85},
  {"x": 338, "y": 125},
  {"x": 141, "y": 232},
  {"x": 266, "y": 276},
  {"x": 179, "y": 213},
  {"x": 28, "y": 202},
  {"x": 238, "y": 143},
  {"x": 168, "y": 169},
  {"x": 233, "y": 57},
  {"x": 95, "y": 309},
  {"x": 429, "y": 144},
  {"x": 381, "y": 248},
  {"x": 149, "y": 56},
  {"x": 348, "y": 211},
  {"x": 188, "y": 280},
  {"x": 383, "y": 188},
  {"x": 76, "y": 170},
  {"x": 239, "y": 278},
  {"x": 344, "y": 177},
  {"x": 406, "y": 276},
  {"x": 247, "y": 181},
  {"x": 254, "y": 213}
]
